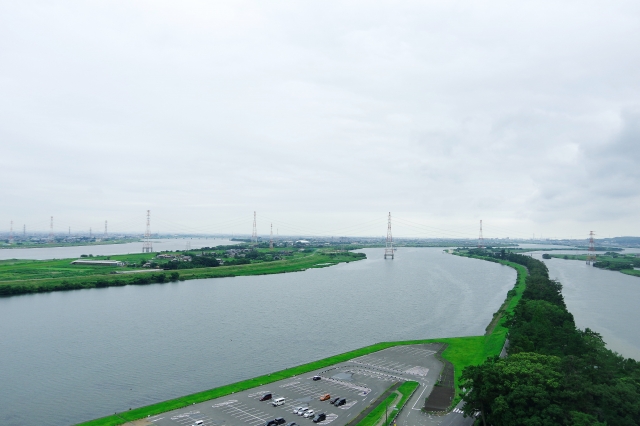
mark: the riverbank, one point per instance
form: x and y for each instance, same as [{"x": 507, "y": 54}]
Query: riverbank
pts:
[
  {"x": 25, "y": 277},
  {"x": 624, "y": 263},
  {"x": 461, "y": 351}
]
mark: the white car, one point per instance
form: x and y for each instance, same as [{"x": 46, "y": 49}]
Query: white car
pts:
[
  {"x": 297, "y": 410},
  {"x": 302, "y": 410},
  {"x": 309, "y": 413}
]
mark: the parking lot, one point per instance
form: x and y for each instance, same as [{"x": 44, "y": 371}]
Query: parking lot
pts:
[{"x": 359, "y": 381}]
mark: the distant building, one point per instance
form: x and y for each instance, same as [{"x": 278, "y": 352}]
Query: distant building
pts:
[{"x": 98, "y": 262}]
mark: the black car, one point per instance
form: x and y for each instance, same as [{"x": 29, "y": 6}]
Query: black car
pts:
[
  {"x": 266, "y": 397},
  {"x": 270, "y": 423},
  {"x": 292, "y": 424},
  {"x": 336, "y": 399},
  {"x": 279, "y": 421},
  {"x": 340, "y": 402},
  {"x": 316, "y": 378},
  {"x": 319, "y": 417}
]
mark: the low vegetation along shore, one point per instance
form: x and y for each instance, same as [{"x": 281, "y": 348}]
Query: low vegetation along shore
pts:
[{"x": 38, "y": 276}]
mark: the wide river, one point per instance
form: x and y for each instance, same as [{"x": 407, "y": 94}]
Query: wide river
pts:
[{"x": 73, "y": 356}]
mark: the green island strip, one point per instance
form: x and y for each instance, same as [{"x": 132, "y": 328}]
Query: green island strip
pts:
[
  {"x": 461, "y": 352},
  {"x": 610, "y": 261},
  {"x": 38, "y": 276}
]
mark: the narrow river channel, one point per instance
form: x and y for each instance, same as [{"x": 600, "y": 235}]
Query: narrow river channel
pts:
[{"x": 73, "y": 356}]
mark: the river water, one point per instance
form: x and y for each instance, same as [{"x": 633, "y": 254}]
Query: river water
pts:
[
  {"x": 110, "y": 249},
  {"x": 77, "y": 355}
]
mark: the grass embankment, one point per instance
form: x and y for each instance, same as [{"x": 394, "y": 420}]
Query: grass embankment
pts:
[
  {"x": 613, "y": 262},
  {"x": 29, "y": 276}
]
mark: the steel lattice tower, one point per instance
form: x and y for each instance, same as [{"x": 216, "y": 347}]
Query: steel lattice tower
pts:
[
  {"x": 11, "y": 234},
  {"x": 254, "y": 234},
  {"x": 24, "y": 231},
  {"x": 480, "y": 238},
  {"x": 388, "y": 248},
  {"x": 51, "y": 229},
  {"x": 271, "y": 238},
  {"x": 591, "y": 256},
  {"x": 146, "y": 246},
  {"x": 90, "y": 233},
  {"x": 105, "y": 229}
]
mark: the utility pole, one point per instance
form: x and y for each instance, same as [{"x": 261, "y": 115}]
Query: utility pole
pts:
[
  {"x": 388, "y": 248},
  {"x": 271, "y": 238},
  {"x": 254, "y": 234},
  {"x": 146, "y": 246},
  {"x": 591, "y": 256},
  {"x": 480, "y": 238}
]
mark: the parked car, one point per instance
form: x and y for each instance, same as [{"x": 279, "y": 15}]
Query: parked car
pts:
[
  {"x": 340, "y": 402},
  {"x": 336, "y": 399},
  {"x": 266, "y": 397},
  {"x": 279, "y": 421},
  {"x": 316, "y": 378},
  {"x": 309, "y": 413},
  {"x": 270, "y": 423},
  {"x": 295, "y": 410},
  {"x": 325, "y": 397},
  {"x": 319, "y": 417},
  {"x": 292, "y": 424},
  {"x": 302, "y": 410}
]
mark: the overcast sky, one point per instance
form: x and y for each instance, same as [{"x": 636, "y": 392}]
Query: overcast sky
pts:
[{"x": 322, "y": 116}]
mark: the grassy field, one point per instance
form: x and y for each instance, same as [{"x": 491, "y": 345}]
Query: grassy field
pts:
[
  {"x": 398, "y": 398},
  {"x": 33, "y": 276}
]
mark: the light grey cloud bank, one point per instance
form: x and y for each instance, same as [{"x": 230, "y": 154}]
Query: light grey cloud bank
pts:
[{"x": 322, "y": 115}]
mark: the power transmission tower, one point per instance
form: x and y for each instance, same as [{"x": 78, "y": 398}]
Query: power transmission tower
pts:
[
  {"x": 481, "y": 238},
  {"x": 591, "y": 256},
  {"x": 51, "y": 229},
  {"x": 11, "y": 234},
  {"x": 90, "y": 233},
  {"x": 271, "y": 238},
  {"x": 388, "y": 248},
  {"x": 69, "y": 231},
  {"x": 146, "y": 246},
  {"x": 24, "y": 231},
  {"x": 105, "y": 229},
  {"x": 254, "y": 234}
]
